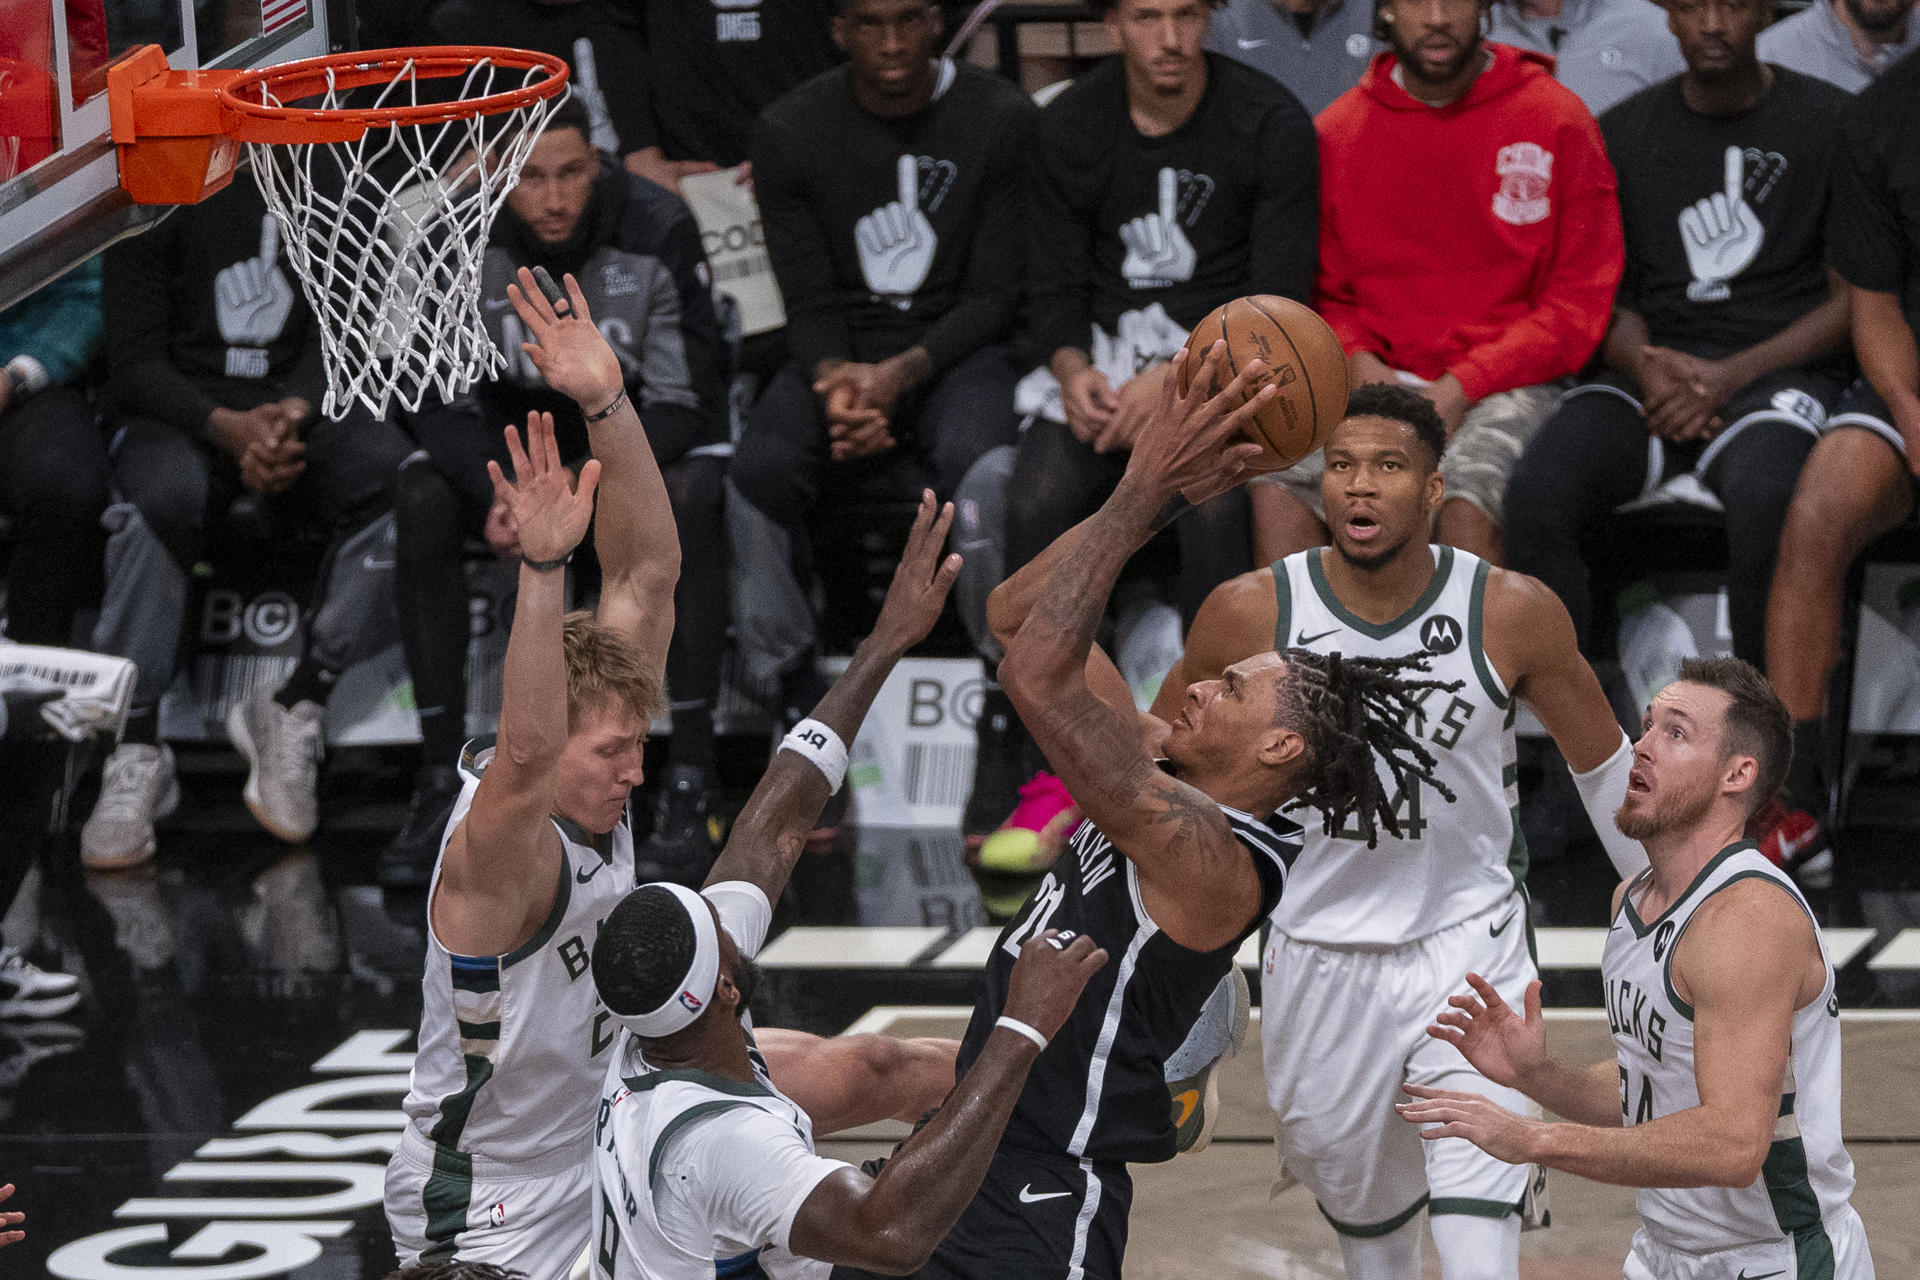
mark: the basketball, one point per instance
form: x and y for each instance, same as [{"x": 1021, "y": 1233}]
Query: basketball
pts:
[{"x": 1303, "y": 358}]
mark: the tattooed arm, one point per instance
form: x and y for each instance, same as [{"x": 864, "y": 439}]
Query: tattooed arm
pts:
[{"x": 1198, "y": 883}]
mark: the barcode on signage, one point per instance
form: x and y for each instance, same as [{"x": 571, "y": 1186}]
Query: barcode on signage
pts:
[
  {"x": 939, "y": 773},
  {"x": 48, "y": 675},
  {"x": 750, "y": 264},
  {"x": 224, "y": 680}
]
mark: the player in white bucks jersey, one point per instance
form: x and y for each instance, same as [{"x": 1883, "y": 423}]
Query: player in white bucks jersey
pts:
[
  {"x": 1181, "y": 854},
  {"x": 1370, "y": 935},
  {"x": 702, "y": 1165},
  {"x": 493, "y": 1164},
  {"x": 1722, "y": 1102}
]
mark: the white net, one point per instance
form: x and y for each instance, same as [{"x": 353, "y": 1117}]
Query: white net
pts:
[{"x": 388, "y": 231}]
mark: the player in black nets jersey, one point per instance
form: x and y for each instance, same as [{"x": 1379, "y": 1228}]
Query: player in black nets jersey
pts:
[
  {"x": 1167, "y": 181},
  {"x": 1181, "y": 856}
]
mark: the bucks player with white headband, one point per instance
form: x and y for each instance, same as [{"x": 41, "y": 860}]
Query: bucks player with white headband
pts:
[
  {"x": 1723, "y": 1101},
  {"x": 702, "y": 1165},
  {"x": 1366, "y": 939}
]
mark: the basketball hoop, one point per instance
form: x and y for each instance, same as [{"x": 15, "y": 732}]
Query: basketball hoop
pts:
[{"x": 385, "y": 171}]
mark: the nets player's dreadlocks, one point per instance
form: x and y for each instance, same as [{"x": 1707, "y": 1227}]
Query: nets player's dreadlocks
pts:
[{"x": 1350, "y": 710}]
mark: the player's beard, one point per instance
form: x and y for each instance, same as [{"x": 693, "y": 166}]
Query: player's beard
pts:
[
  {"x": 1671, "y": 811},
  {"x": 1410, "y": 65},
  {"x": 1370, "y": 560}
]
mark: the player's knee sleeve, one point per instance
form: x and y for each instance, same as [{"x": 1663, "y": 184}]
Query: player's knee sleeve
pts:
[
  {"x": 1476, "y": 1248},
  {"x": 1393, "y": 1256}
]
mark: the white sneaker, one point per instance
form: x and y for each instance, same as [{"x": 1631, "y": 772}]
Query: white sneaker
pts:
[
  {"x": 137, "y": 786},
  {"x": 284, "y": 748},
  {"x": 28, "y": 991}
]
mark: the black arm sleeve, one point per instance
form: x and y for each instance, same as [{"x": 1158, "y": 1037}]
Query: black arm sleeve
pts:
[
  {"x": 137, "y": 307},
  {"x": 990, "y": 294},
  {"x": 1284, "y": 234},
  {"x": 797, "y": 243},
  {"x": 1060, "y": 256}
]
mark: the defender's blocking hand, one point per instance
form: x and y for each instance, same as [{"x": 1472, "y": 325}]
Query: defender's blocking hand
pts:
[
  {"x": 567, "y": 348},
  {"x": 922, "y": 580}
]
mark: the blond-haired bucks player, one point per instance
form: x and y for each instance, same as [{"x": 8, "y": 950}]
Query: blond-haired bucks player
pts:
[
  {"x": 493, "y": 1164},
  {"x": 1370, "y": 936},
  {"x": 1723, "y": 1101}
]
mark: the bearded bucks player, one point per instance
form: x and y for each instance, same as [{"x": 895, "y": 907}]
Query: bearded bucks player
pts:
[
  {"x": 493, "y": 1164},
  {"x": 1723, "y": 1101},
  {"x": 1367, "y": 939}
]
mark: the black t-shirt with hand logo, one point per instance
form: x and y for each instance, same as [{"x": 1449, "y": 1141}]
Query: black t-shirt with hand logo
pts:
[
  {"x": 1725, "y": 216},
  {"x": 1227, "y": 204},
  {"x": 891, "y": 232}
]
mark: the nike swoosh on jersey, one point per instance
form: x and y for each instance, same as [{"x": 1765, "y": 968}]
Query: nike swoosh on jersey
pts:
[
  {"x": 1028, "y": 1197},
  {"x": 1758, "y": 1275},
  {"x": 1303, "y": 639},
  {"x": 1493, "y": 932},
  {"x": 581, "y": 877}
]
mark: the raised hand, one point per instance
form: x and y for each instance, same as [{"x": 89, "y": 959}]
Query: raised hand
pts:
[
  {"x": 1721, "y": 234},
  {"x": 895, "y": 241},
  {"x": 10, "y": 1222},
  {"x": 549, "y": 511},
  {"x": 1047, "y": 979},
  {"x": 566, "y": 348},
  {"x": 1188, "y": 447},
  {"x": 921, "y": 582},
  {"x": 1502, "y": 1046},
  {"x": 1157, "y": 249},
  {"x": 251, "y": 298}
]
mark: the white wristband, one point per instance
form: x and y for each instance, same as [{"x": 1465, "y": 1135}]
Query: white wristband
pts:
[
  {"x": 822, "y": 747},
  {"x": 1020, "y": 1028}
]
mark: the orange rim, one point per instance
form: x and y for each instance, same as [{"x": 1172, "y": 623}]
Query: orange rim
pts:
[{"x": 256, "y": 121}]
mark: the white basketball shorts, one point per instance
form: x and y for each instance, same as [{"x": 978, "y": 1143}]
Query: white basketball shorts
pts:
[
  {"x": 1343, "y": 1028},
  {"x": 535, "y": 1218}
]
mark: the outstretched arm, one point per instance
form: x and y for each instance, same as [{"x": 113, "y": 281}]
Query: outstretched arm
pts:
[
  {"x": 1194, "y": 872},
  {"x": 1532, "y": 644},
  {"x": 1748, "y": 960},
  {"x": 891, "y": 1223},
  {"x": 634, "y": 533},
  {"x": 498, "y": 875},
  {"x": 772, "y": 829}
]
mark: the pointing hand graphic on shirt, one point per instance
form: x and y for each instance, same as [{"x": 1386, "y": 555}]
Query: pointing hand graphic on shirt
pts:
[
  {"x": 1158, "y": 251},
  {"x": 1721, "y": 233},
  {"x": 252, "y": 298},
  {"x": 895, "y": 241}
]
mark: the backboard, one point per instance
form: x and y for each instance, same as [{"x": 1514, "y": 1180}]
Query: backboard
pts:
[{"x": 60, "y": 195}]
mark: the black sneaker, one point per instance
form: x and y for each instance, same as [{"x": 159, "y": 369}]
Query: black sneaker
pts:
[
  {"x": 996, "y": 772},
  {"x": 681, "y": 846},
  {"x": 407, "y": 863}
]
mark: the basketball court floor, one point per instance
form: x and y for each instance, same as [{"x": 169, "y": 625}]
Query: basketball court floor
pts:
[{"x": 222, "y": 1105}]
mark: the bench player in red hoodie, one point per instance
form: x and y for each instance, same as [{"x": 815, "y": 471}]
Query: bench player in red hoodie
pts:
[{"x": 1470, "y": 246}]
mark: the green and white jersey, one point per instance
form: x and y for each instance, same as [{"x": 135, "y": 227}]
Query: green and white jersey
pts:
[
  {"x": 513, "y": 1047},
  {"x": 1808, "y": 1174},
  {"x": 1450, "y": 861}
]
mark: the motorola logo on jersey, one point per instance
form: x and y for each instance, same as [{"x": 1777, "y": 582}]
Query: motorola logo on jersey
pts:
[{"x": 1440, "y": 634}]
